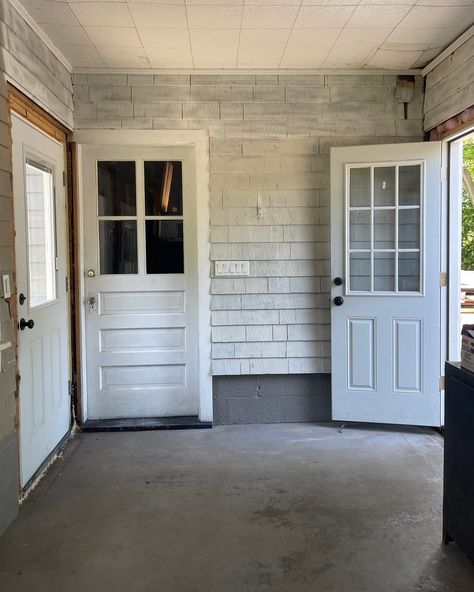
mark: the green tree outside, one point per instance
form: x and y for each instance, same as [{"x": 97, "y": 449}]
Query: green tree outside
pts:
[{"x": 467, "y": 240}]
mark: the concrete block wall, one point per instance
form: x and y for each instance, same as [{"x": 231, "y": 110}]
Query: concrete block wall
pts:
[{"x": 270, "y": 137}]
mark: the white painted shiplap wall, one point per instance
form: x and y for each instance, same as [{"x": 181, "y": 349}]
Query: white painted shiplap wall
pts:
[
  {"x": 270, "y": 137},
  {"x": 450, "y": 86},
  {"x": 32, "y": 67}
]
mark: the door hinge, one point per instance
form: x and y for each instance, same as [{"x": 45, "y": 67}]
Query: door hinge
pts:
[
  {"x": 64, "y": 178},
  {"x": 72, "y": 387},
  {"x": 67, "y": 284},
  {"x": 443, "y": 279},
  {"x": 443, "y": 174},
  {"x": 441, "y": 383}
]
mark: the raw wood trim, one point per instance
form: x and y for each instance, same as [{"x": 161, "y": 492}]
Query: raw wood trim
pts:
[
  {"x": 453, "y": 126},
  {"x": 21, "y": 104},
  {"x": 74, "y": 295}
]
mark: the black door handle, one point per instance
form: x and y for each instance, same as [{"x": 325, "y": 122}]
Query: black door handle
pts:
[
  {"x": 22, "y": 299},
  {"x": 338, "y": 300},
  {"x": 24, "y": 324},
  {"x": 338, "y": 281}
]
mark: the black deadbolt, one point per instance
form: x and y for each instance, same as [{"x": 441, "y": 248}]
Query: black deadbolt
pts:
[
  {"x": 21, "y": 298},
  {"x": 24, "y": 324},
  {"x": 338, "y": 281},
  {"x": 338, "y": 300}
]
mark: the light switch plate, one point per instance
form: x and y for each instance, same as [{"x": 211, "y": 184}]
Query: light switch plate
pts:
[
  {"x": 6, "y": 286},
  {"x": 231, "y": 268}
]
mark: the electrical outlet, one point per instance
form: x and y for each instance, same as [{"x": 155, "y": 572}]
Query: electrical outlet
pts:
[{"x": 231, "y": 268}]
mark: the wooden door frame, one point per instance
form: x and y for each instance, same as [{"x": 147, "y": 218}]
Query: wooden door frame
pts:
[{"x": 199, "y": 140}]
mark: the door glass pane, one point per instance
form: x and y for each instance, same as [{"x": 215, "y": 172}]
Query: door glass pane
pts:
[
  {"x": 164, "y": 246},
  {"x": 117, "y": 188},
  {"x": 360, "y": 229},
  {"x": 384, "y": 186},
  {"x": 384, "y": 229},
  {"x": 163, "y": 188},
  {"x": 118, "y": 246},
  {"x": 409, "y": 188},
  {"x": 360, "y": 272},
  {"x": 409, "y": 229},
  {"x": 41, "y": 236},
  {"x": 409, "y": 272},
  {"x": 359, "y": 181},
  {"x": 384, "y": 272}
]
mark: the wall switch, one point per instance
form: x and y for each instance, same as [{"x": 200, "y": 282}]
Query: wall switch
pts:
[
  {"x": 6, "y": 286},
  {"x": 231, "y": 268}
]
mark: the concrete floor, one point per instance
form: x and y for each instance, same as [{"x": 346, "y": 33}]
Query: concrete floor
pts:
[{"x": 287, "y": 508}]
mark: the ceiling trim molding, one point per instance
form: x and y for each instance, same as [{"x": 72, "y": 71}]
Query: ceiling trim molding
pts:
[
  {"x": 248, "y": 71},
  {"x": 448, "y": 51},
  {"x": 41, "y": 34}
]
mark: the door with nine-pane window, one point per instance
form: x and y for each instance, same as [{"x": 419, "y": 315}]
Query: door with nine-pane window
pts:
[
  {"x": 140, "y": 281},
  {"x": 385, "y": 265}
]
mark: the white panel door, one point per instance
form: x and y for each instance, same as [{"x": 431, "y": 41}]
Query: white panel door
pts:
[
  {"x": 41, "y": 266},
  {"x": 140, "y": 260},
  {"x": 385, "y": 266}
]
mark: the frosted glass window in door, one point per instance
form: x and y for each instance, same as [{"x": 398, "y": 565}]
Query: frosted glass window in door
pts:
[{"x": 41, "y": 235}]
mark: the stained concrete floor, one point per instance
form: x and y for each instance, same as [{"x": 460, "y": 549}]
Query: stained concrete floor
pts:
[{"x": 284, "y": 508}]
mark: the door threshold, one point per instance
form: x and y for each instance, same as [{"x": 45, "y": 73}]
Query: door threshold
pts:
[{"x": 185, "y": 422}]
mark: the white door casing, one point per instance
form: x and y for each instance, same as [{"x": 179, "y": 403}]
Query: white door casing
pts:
[
  {"x": 386, "y": 246},
  {"x": 141, "y": 326},
  {"x": 41, "y": 268}
]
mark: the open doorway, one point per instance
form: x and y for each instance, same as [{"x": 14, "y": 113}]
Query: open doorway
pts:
[
  {"x": 461, "y": 241},
  {"x": 467, "y": 233}
]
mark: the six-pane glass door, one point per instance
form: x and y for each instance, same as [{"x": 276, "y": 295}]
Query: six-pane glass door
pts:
[{"x": 384, "y": 228}]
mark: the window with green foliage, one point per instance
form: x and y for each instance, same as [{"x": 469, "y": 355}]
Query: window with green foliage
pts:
[{"x": 467, "y": 252}]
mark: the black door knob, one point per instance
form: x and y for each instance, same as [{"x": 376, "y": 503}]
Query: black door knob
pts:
[
  {"x": 24, "y": 324},
  {"x": 338, "y": 281},
  {"x": 21, "y": 299},
  {"x": 338, "y": 300}
]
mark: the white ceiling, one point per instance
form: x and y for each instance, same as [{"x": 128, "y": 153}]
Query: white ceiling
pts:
[{"x": 283, "y": 34}]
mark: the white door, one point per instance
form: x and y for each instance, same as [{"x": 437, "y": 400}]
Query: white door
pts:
[
  {"x": 140, "y": 261},
  {"x": 385, "y": 315},
  {"x": 41, "y": 265}
]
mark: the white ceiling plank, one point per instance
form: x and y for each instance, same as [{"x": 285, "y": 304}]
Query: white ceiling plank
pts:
[
  {"x": 264, "y": 58},
  {"x": 437, "y": 17},
  {"x": 263, "y": 39},
  {"x": 214, "y": 17},
  {"x": 394, "y": 59},
  {"x": 355, "y": 46},
  {"x": 169, "y": 38},
  {"x": 377, "y": 16},
  {"x": 52, "y": 13},
  {"x": 132, "y": 57},
  {"x": 114, "y": 36},
  {"x": 309, "y": 33},
  {"x": 67, "y": 35},
  {"x": 158, "y": 15},
  {"x": 318, "y": 17},
  {"x": 102, "y": 13},
  {"x": 269, "y": 17},
  {"x": 84, "y": 57},
  {"x": 165, "y": 57}
]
